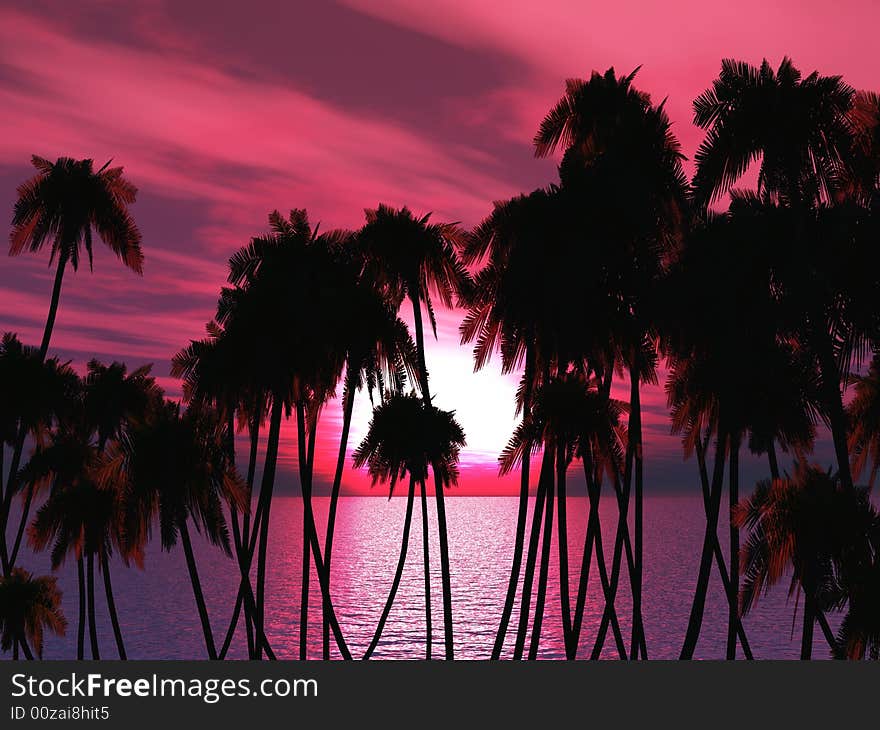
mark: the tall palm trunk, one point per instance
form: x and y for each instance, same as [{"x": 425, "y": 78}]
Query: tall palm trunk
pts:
[
  {"x": 541, "y": 595},
  {"x": 446, "y": 578},
  {"x": 53, "y": 306},
  {"x": 695, "y": 621},
  {"x": 265, "y": 499},
  {"x": 93, "y": 624},
  {"x": 305, "y": 457},
  {"x": 545, "y": 476},
  {"x": 250, "y": 611},
  {"x": 521, "y": 517},
  {"x": 562, "y": 532},
  {"x": 807, "y": 634},
  {"x": 197, "y": 589},
  {"x": 733, "y": 606},
  {"x": 81, "y": 621},
  {"x": 635, "y": 433},
  {"x": 11, "y": 488},
  {"x": 426, "y": 556},
  {"x": 347, "y": 410},
  {"x": 401, "y": 561},
  {"x": 22, "y": 524},
  {"x": 111, "y": 605}
]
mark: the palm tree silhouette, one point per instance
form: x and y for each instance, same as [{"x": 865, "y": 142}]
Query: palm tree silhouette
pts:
[
  {"x": 622, "y": 159},
  {"x": 406, "y": 436},
  {"x": 411, "y": 258},
  {"x": 380, "y": 355},
  {"x": 731, "y": 377},
  {"x": 61, "y": 205},
  {"x": 800, "y": 129},
  {"x": 78, "y": 518},
  {"x": 216, "y": 371},
  {"x": 811, "y": 525},
  {"x": 173, "y": 470},
  {"x": 570, "y": 418},
  {"x": 508, "y": 242},
  {"x": 34, "y": 392},
  {"x": 299, "y": 283},
  {"x": 116, "y": 400},
  {"x": 29, "y": 606}
]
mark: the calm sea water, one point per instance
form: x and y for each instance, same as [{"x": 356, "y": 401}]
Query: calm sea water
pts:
[{"x": 159, "y": 619}]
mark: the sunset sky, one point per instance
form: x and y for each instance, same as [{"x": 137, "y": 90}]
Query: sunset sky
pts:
[{"x": 221, "y": 112}]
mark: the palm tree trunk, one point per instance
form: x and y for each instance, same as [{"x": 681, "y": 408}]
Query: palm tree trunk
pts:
[
  {"x": 111, "y": 605},
  {"x": 733, "y": 606},
  {"x": 695, "y": 621},
  {"x": 401, "y": 561},
  {"x": 521, "y": 517},
  {"x": 807, "y": 635},
  {"x": 265, "y": 500},
  {"x": 532, "y": 556},
  {"x": 22, "y": 523},
  {"x": 197, "y": 589},
  {"x": 635, "y": 432},
  {"x": 446, "y": 578},
  {"x": 11, "y": 485},
  {"x": 426, "y": 546},
  {"x": 53, "y": 306},
  {"x": 81, "y": 625},
  {"x": 541, "y": 596},
  {"x": 305, "y": 456},
  {"x": 562, "y": 536},
  {"x": 90, "y": 587},
  {"x": 347, "y": 410}
]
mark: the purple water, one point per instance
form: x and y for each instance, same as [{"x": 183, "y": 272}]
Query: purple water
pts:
[{"x": 159, "y": 619}]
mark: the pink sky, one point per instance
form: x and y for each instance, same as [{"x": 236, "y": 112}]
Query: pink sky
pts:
[{"x": 222, "y": 111}]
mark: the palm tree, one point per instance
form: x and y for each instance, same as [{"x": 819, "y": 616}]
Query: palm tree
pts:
[
  {"x": 411, "y": 258},
  {"x": 174, "y": 470},
  {"x": 61, "y": 206},
  {"x": 800, "y": 129},
  {"x": 406, "y": 436},
  {"x": 78, "y": 518},
  {"x": 297, "y": 282},
  {"x": 732, "y": 377},
  {"x": 809, "y": 525},
  {"x": 571, "y": 417},
  {"x": 380, "y": 355},
  {"x": 34, "y": 393},
  {"x": 28, "y": 607},
  {"x": 623, "y": 161},
  {"x": 116, "y": 400},
  {"x": 216, "y": 372}
]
